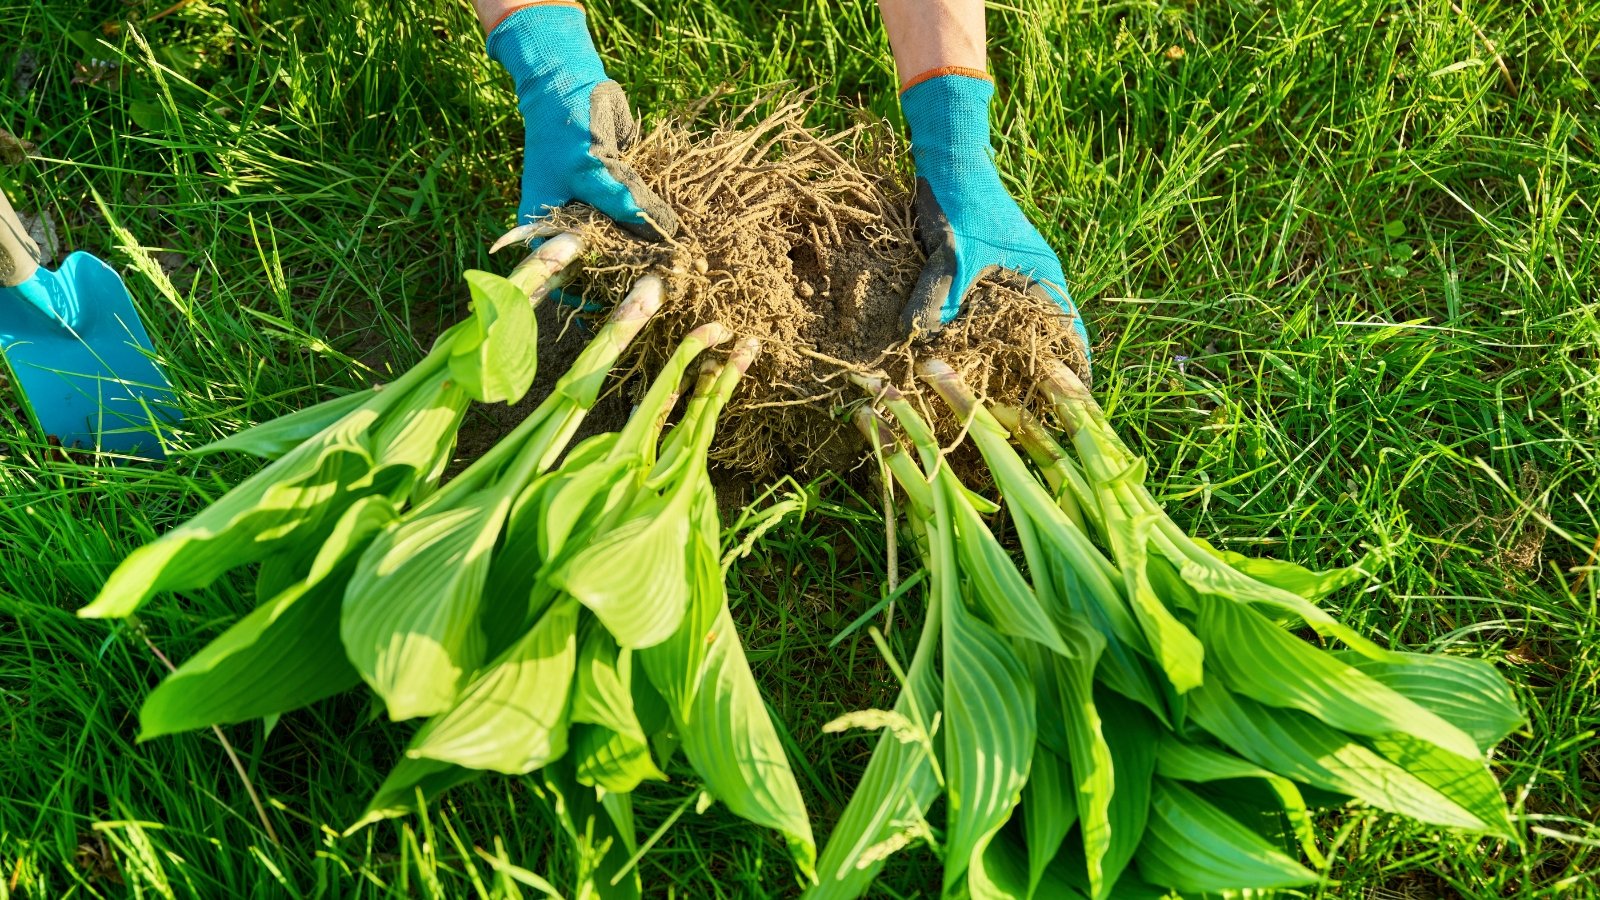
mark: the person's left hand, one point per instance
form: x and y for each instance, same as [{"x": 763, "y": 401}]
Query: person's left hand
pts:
[{"x": 967, "y": 222}]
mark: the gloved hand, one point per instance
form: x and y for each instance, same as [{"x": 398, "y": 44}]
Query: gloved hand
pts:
[
  {"x": 577, "y": 121},
  {"x": 967, "y": 222}
]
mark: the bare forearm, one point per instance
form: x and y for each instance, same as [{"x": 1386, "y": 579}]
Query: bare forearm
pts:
[
  {"x": 490, "y": 12},
  {"x": 935, "y": 34}
]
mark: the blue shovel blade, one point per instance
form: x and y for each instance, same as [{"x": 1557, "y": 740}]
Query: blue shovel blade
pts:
[{"x": 84, "y": 367}]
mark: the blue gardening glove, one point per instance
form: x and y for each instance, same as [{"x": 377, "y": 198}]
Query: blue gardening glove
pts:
[
  {"x": 577, "y": 121},
  {"x": 967, "y": 223}
]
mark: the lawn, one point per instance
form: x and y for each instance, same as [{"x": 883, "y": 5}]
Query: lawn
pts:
[{"x": 1339, "y": 258}]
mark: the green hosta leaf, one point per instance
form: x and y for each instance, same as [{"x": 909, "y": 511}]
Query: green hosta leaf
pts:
[
  {"x": 634, "y": 576},
  {"x": 1465, "y": 780},
  {"x": 282, "y": 570},
  {"x": 651, "y": 709},
  {"x": 577, "y": 499},
  {"x": 1065, "y": 879},
  {"x": 271, "y": 509},
  {"x": 1041, "y": 665},
  {"x": 275, "y": 437},
  {"x": 590, "y": 450},
  {"x": 513, "y": 595},
  {"x": 1262, "y": 661},
  {"x": 1001, "y": 872},
  {"x": 493, "y": 355},
  {"x": 1468, "y": 693},
  {"x": 397, "y": 796},
  {"x": 1049, "y": 808},
  {"x": 1293, "y": 578},
  {"x": 1066, "y": 568},
  {"x": 513, "y": 717},
  {"x": 604, "y": 691},
  {"x": 1280, "y": 670},
  {"x": 675, "y": 665},
  {"x": 1184, "y": 761},
  {"x": 522, "y": 553},
  {"x": 613, "y": 761},
  {"x": 410, "y": 622},
  {"x": 998, "y": 587},
  {"x": 731, "y": 742},
  {"x": 282, "y": 656},
  {"x": 1191, "y": 845},
  {"x": 419, "y": 433},
  {"x": 1300, "y": 747},
  {"x": 1093, "y": 773},
  {"x": 1253, "y": 804},
  {"x": 989, "y": 735},
  {"x": 1132, "y": 739},
  {"x": 1176, "y": 649},
  {"x": 1069, "y": 573},
  {"x": 1211, "y": 576}
]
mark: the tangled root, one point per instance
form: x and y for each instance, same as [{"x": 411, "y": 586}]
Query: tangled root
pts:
[{"x": 805, "y": 242}]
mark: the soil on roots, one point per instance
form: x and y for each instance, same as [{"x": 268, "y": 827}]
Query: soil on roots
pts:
[{"x": 806, "y": 242}]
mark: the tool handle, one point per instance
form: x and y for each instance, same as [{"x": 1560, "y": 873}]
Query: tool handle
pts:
[{"x": 19, "y": 255}]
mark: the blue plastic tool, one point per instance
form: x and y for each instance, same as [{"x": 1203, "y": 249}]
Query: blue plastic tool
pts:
[{"x": 78, "y": 351}]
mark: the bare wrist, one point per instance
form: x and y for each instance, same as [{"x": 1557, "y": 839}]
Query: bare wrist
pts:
[{"x": 493, "y": 12}]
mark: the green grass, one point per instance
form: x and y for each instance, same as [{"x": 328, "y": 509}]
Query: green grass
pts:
[{"x": 1340, "y": 268}]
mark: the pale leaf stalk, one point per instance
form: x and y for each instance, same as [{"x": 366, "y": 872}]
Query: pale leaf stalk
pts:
[
  {"x": 545, "y": 269},
  {"x": 1060, "y": 470},
  {"x": 727, "y": 379},
  {"x": 690, "y": 441},
  {"x": 901, "y": 466},
  {"x": 911, "y": 422},
  {"x": 547, "y": 430},
  {"x": 642, "y": 432}
]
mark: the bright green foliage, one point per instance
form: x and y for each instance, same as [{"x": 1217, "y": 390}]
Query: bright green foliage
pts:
[
  {"x": 275, "y": 437},
  {"x": 545, "y": 699},
  {"x": 283, "y": 655},
  {"x": 610, "y": 745},
  {"x": 1182, "y": 761},
  {"x": 390, "y": 441},
  {"x": 1177, "y": 718},
  {"x": 1192, "y": 845},
  {"x": 1093, "y": 771},
  {"x": 611, "y": 637},
  {"x": 1468, "y": 693},
  {"x": 902, "y": 779},
  {"x": 410, "y": 621},
  {"x": 1049, "y": 810},
  {"x": 605, "y": 574},
  {"x": 489, "y": 357},
  {"x": 513, "y": 717},
  {"x": 989, "y": 735},
  {"x": 727, "y": 733},
  {"x": 275, "y": 507}
]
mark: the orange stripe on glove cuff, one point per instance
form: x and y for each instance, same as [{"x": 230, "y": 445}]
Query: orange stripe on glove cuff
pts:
[{"x": 941, "y": 71}]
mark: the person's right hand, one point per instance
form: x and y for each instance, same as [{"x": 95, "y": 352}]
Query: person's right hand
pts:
[{"x": 578, "y": 121}]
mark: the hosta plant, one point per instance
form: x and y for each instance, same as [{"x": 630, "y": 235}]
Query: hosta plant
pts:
[{"x": 1127, "y": 711}]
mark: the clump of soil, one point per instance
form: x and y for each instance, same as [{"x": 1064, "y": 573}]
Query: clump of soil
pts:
[{"x": 804, "y": 241}]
